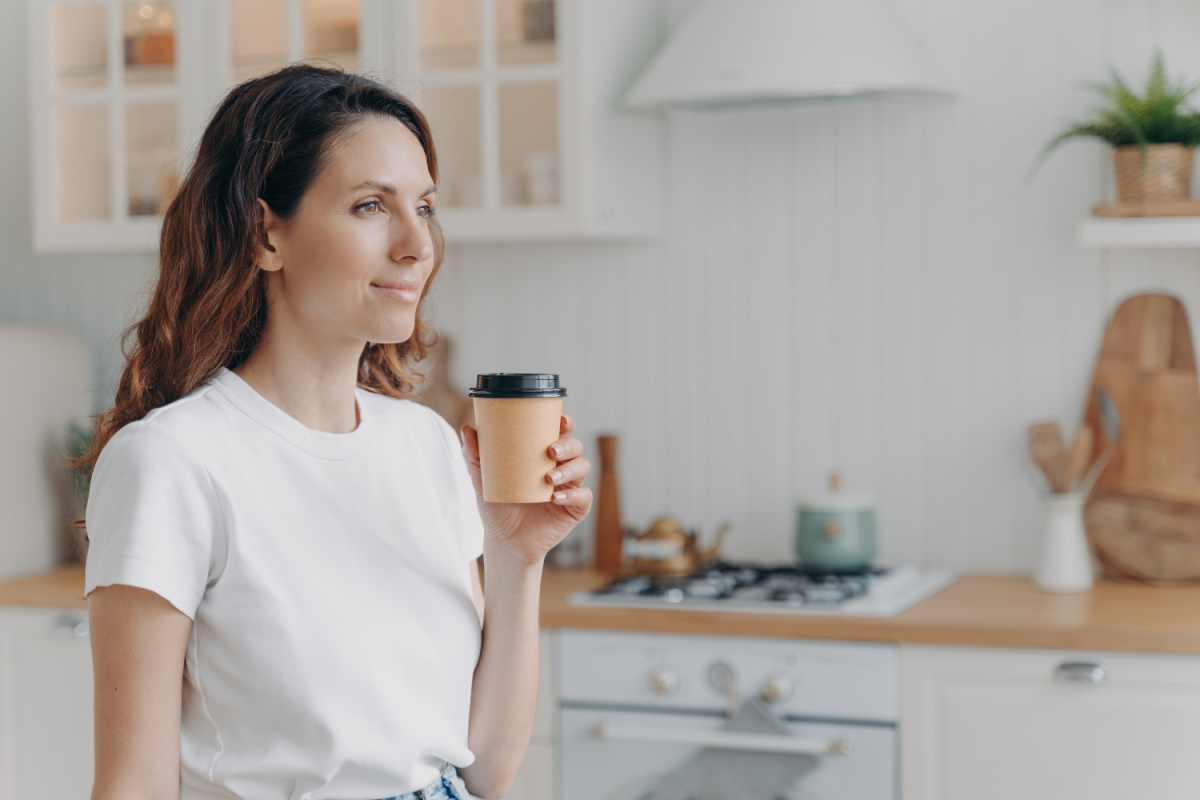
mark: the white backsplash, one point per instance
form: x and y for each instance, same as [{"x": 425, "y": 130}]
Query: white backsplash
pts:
[{"x": 861, "y": 284}]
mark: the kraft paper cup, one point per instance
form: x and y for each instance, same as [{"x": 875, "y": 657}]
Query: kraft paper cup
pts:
[{"x": 517, "y": 416}]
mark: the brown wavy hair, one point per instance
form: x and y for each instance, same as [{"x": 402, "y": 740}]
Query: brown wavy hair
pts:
[{"x": 270, "y": 138}]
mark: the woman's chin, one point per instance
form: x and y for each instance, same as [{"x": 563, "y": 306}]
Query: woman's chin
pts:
[{"x": 392, "y": 335}]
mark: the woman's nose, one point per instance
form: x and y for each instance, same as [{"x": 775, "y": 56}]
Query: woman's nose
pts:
[{"x": 410, "y": 238}]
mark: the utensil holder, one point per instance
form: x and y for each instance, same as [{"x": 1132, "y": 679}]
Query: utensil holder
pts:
[{"x": 1065, "y": 564}]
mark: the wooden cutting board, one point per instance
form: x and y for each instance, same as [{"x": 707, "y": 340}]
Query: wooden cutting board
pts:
[{"x": 1143, "y": 517}]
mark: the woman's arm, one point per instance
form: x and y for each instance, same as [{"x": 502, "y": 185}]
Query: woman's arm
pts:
[
  {"x": 504, "y": 693},
  {"x": 516, "y": 540},
  {"x": 138, "y": 645}
]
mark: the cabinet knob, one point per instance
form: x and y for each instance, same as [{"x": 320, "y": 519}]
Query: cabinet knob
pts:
[
  {"x": 721, "y": 677},
  {"x": 1093, "y": 672},
  {"x": 777, "y": 688},
  {"x": 71, "y": 625},
  {"x": 664, "y": 681}
]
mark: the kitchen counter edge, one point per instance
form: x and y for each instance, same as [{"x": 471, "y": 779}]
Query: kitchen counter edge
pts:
[{"x": 977, "y": 610}]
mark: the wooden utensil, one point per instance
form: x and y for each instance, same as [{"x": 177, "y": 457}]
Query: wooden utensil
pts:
[
  {"x": 1112, "y": 432},
  {"x": 1046, "y": 449},
  {"x": 1078, "y": 459},
  {"x": 1143, "y": 517},
  {"x": 609, "y": 536}
]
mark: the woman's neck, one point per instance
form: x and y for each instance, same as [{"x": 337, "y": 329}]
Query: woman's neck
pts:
[{"x": 316, "y": 389}]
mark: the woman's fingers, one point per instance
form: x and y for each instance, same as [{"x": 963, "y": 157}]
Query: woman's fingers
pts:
[
  {"x": 576, "y": 500},
  {"x": 574, "y": 470},
  {"x": 470, "y": 441},
  {"x": 566, "y": 424},
  {"x": 565, "y": 449}
]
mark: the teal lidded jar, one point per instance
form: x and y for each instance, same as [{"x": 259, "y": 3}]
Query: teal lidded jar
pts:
[{"x": 835, "y": 532}]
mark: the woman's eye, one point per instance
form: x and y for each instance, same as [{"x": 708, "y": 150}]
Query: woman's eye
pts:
[
  {"x": 425, "y": 210},
  {"x": 371, "y": 207}
]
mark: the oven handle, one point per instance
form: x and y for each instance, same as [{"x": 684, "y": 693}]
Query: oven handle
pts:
[{"x": 725, "y": 740}]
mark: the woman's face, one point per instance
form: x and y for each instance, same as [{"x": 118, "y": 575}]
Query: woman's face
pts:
[{"x": 353, "y": 261}]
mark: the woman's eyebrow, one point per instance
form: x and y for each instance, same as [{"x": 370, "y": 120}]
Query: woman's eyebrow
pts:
[{"x": 387, "y": 188}]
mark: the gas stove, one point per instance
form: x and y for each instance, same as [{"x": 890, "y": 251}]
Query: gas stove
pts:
[{"x": 787, "y": 589}]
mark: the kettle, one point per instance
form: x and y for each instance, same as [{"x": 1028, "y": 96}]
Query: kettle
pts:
[{"x": 665, "y": 550}]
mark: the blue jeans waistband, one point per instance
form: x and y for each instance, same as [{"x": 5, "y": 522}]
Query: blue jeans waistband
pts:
[{"x": 447, "y": 786}]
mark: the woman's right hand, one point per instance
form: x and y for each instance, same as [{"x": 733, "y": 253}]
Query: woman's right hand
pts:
[{"x": 527, "y": 531}]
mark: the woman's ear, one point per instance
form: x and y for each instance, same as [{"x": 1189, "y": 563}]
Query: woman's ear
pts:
[{"x": 269, "y": 256}]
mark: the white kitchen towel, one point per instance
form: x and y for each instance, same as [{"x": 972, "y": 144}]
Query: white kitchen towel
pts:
[{"x": 714, "y": 774}]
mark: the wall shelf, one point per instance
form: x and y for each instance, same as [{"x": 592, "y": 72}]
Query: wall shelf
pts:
[{"x": 1140, "y": 232}]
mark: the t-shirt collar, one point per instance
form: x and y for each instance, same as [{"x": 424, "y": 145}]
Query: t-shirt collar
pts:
[{"x": 266, "y": 413}]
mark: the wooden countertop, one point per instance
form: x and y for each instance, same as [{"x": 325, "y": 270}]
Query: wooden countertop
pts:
[
  {"x": 59, "y": 588},
  {"x": 981, "y": 610}
]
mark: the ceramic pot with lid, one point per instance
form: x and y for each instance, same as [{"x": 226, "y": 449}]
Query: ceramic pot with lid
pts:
[{"x": 835, "y": 532}]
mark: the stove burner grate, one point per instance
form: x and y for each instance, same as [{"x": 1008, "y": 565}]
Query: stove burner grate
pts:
[{"x": 790, "y": 585}]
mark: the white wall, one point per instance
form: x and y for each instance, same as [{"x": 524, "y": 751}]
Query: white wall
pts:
[
  {"x": 861, "y": 285},
  {"x": 94, "y": 295}
]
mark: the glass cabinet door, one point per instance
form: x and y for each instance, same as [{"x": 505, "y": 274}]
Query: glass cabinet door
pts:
[
  {"x": 490, "y": 82},
  {"x": 268, "y": 34},
  {"x": 111, "y": 110},
  {"x": 258, "y": 36},
  {"x": 122, "y": 89}
]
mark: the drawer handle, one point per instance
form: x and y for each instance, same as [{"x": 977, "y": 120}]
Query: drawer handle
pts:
[
  {"x": 70, "y": 625},
  {"x": 1092, "y": 672},
  {"x": 725, "y": 740}
]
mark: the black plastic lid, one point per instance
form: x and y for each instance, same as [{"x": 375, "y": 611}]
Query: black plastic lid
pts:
[{"x": 517, "y": 384}]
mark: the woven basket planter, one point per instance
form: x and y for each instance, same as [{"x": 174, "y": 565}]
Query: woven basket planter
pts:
[{"x": 1166, "y": 173}]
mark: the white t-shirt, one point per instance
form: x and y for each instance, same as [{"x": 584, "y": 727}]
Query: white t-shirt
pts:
[{"x": 334, "y": 634}]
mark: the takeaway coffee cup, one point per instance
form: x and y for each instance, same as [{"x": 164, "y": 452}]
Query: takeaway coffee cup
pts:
[{"x": 517, "y": 416}]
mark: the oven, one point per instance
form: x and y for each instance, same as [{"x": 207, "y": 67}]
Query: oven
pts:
[{"x": 636, "y": 709}]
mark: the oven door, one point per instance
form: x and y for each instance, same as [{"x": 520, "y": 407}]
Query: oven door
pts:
[{"x": 622, "y": 755}]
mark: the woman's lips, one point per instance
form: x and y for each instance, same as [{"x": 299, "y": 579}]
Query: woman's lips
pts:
[{"x": 407, "y": 292}]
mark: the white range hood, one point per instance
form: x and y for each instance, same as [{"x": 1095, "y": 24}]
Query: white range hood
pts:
[{"x": 745, "y": 51}]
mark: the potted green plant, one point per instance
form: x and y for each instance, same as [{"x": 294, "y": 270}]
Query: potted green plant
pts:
[
  {"x": 79, "y": 441},
  {"x": 1153, "y": 135}
]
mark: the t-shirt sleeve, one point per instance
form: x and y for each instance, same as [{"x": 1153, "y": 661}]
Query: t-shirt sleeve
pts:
[
  {"x": 470, "y": 525},
  {"x": 153, "y": 519}
]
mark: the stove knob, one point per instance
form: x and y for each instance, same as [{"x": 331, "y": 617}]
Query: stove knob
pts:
[
  {"x": 664, "y": 681},
  {"x": 777, "y": 688}
]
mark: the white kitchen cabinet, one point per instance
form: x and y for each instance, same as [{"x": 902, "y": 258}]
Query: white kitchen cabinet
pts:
[
  {"x": 537, "y": 779},
  {"x": 998, "y": 724},
  {"x": 522, "y": 95},
  {"x": 45, "y": 705},
  {"x": 120, "y": 91}
]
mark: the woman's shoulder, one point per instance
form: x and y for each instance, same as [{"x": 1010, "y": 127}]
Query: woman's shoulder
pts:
[
  {"x": 186, "y": 424},
  {"x": 408, "y": 414}
]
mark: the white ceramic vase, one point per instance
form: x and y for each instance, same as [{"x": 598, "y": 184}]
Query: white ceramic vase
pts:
[{"x": 1066, "y": 562}]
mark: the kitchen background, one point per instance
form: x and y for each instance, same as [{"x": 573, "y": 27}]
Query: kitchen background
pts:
[{"x": 868, "y": 285}]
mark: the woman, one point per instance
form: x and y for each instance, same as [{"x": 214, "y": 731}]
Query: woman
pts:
[{"x": 281, "y": 575}]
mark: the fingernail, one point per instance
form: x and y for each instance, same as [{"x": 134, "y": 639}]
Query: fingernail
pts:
[
  {"x": 555, "y": 476},
  {"x": 557, "y": 449},
  {"x": 560, "y": 497}
]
